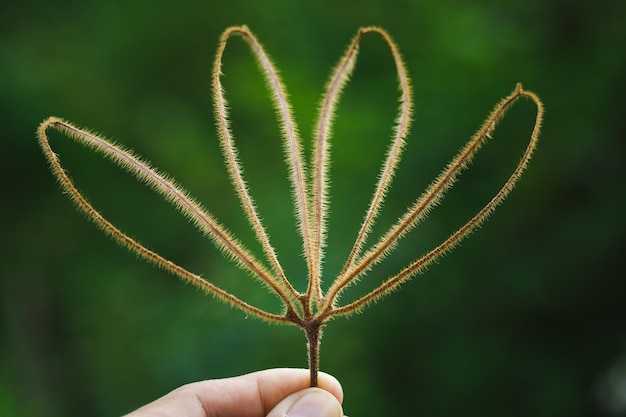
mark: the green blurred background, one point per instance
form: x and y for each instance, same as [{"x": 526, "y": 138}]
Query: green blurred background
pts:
[{"x": 526, "y": 318}]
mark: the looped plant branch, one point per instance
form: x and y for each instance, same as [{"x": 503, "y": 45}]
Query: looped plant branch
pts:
[
  {"x": 321, "y": 162},
  {"x": 430, "y": 198},
  {"x": 312, "y": 309},
  {"x": 171, "y": 192},
  {"x": 230, "y": 152}
]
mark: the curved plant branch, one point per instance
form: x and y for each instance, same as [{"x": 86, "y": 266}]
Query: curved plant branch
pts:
[
  {"x": 230, "y": 152},
  {"x": 312, "y": 309},
  {"x": 172, "y": 193},
  {"x": 321, "y": 163},
  {"x": 430, "y": 198}
]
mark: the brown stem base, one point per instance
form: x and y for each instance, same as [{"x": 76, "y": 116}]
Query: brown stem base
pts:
[{"x": 313, "y": 336}]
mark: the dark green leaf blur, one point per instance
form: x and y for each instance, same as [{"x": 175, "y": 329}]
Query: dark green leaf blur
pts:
[{"x": 526, "y": 318}]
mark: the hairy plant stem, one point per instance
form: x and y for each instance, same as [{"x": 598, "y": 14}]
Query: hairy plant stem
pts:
[
  {"x": 311, "y": 309},
  {"x": 313, "y": 331}
]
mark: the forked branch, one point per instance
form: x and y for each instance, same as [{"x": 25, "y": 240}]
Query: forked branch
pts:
[{"x": 312, "y": 309}]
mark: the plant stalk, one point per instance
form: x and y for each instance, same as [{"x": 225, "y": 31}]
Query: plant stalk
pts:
[{"x": 313, "y": 335}]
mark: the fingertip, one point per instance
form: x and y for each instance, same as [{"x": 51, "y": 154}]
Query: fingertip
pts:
[
  {"x": 331, "y": 384},
  {"x": 310, "y": 402}
]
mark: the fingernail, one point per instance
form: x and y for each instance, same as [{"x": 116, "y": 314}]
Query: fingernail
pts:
[{"x": 318, "y": 403}]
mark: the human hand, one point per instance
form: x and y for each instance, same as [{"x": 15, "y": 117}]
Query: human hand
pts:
[{"x": 270, "y": 393}]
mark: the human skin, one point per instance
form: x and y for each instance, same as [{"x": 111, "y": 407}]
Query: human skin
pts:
[{"x": 269, "y": 393}]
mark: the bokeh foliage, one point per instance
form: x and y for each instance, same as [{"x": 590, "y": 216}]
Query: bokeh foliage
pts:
[{"x": 526, "y": 318}]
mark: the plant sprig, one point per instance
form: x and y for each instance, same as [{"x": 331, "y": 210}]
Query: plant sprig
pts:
[{"x": 310, "y": 310}]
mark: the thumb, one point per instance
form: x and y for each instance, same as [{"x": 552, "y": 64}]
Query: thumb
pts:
[{"x": 310, "y": 402}]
